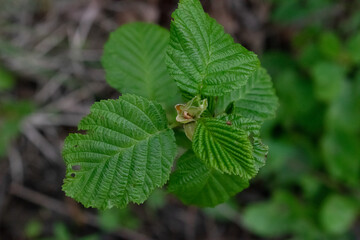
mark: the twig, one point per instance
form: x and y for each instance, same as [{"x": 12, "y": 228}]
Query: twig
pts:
[
  {"x": 86, "y": 22},
  {"x": 69, "y": 102},
  {"x": 38, "y": 198},
  {"x": 190, "y": 220},
  {"x": 16, "y": 165},
  {"x": 50, "y": 87},
  {"x": 60, "y": 208},
  {"x": 51, "y": 41},
  {"x": 50, "y": 119},
  {"x": 49, "y": 151},
  {"x": 4, "y": 183}
]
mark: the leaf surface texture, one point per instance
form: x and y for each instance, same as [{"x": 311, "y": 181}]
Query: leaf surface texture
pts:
[
  {"x": 127, "y": 152},
  {"x": 256, "y": 100},
  {"x": 252, "y": 128},
  {"x": 224, "y": 147},
  {"x": 134, "y": 61},
  {"x": 201, "y": 57},
  {"x": 195, "y": 183}
]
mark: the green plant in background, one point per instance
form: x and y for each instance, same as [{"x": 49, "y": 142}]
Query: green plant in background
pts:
[
  {"x": 315, "y": 149},
  {"x": 111, "y": 220},
  {"x": 130, "y": 144},
  {"x": 6, "y": 80},
  {"x": 33, "y": 229},
  {"x": 59, "y": 232},
  {"x": 12, "y": 112},
  {"x": 296, "y": 10}
]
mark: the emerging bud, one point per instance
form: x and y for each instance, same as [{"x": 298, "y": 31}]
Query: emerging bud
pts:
[
  {"x": 190, "y": 130},
  {"x": 191, "y": 111}
]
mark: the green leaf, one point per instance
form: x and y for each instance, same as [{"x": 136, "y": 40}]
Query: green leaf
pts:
[
  {"x": 127, "y": 152},
  {"x": 256, "y": 100},
  {"x": 134, "y": 61},
  {"x": 195, "y": 183},
  {"x": 274, "y": 218},
  {"x": 260, "y": 153},
  {"x": 341, "y": 153},
  {"x": 252, "y": 127},
  {"x": 328, "y": 79},
  {"x": 343, "y": 113},
  {"x": 202, "y": 58},
  {"x": 330, "y": 45},
  {"x": 310, "y": 55},
  {"x": 224, "y": 147},
  {"x": 353, "y": 47},
  {"x": 338, "y": 214}
]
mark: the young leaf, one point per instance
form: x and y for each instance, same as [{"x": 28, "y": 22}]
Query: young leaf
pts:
[
  {"x": 134, "y": 61},
  {"x": 252, "y": 127},
  {"x": 257, "y": 100},
  {"x": 195, "y": 183},
  {"x": 224, "y": 147},
  {"x": 127, "y": 152},
  {"x": 201, "y": 57},
  {"x": 260, "y": 153}
]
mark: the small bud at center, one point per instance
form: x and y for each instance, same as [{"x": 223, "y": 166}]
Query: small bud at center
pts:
[{"x": 191, "y": 111}]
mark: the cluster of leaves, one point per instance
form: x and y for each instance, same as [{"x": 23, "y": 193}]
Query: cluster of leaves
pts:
[
  {"x": 129, "y": 148},
  {"x": 12, "y": 111},
  {"x": 315, "y": 140}
]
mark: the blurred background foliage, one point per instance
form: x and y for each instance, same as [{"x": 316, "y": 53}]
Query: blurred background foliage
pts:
[{"x": 50, "y": 74}]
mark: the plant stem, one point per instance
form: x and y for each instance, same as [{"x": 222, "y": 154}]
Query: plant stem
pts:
[{"x": 175, "y": 125}]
